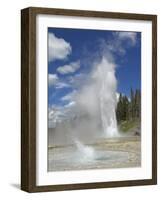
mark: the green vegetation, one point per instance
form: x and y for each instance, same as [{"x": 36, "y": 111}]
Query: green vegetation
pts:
[
  {"x": 127, "y": 126},
  {"x": 128, "y": 111}
]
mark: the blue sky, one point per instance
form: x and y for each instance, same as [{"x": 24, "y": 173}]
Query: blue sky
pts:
[{"x": 73, "y": 52}]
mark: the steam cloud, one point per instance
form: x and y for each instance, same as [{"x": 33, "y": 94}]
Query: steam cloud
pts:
[{"x": 90, "y": 110}]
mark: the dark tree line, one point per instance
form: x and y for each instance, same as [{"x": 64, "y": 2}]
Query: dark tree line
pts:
[{"x": 129, "y": 109}]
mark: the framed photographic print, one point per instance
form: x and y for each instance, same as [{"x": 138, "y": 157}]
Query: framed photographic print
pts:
[{"x": 88, "y": 99}]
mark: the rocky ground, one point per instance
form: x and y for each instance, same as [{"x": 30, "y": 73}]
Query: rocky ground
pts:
[{"x": 121, "y": 152}]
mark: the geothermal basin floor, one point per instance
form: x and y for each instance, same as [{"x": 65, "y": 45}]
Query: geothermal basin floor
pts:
[{"x": 123, "y": 152}]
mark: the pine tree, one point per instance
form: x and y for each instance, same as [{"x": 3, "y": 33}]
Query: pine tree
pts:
[
  {"x": 132, "y": 104},
  {"x": 119, "y": 108},
  {"x": 129, "y": 109},
  {"x": 137, "y": 104}
]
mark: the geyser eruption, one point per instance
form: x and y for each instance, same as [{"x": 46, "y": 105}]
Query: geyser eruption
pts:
[
  {"x": 93, "y": 115},
  {"x": 85, "y": 152},
  {"x": 107, "y": 97},
  {"x": 102, "y": 91}
]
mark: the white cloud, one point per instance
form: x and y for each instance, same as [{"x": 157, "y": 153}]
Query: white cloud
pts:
[
  {"x": 58, "y": 114},
  {"x": 70, "y": 104},
  {"x": 53, "y": 79},
  {"x": 78, "y": 78},
  {"x": 60, "y": 85},
  {"x": 55, "y": 114},
  {"x": 131, "y": 36},
  {"x": 116, "y": 47},
  {"x": 66, "y": 98},
  {"x": 121, "y": 41},
  {"x": 70, "y": 68},
  {"x": 69, "y": 96},
  {"x": 59, "y": 49}
]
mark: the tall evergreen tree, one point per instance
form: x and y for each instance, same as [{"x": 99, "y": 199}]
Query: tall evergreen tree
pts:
[
  {"x": 129, "y": 109},
  {"x": 132, "y": 104}
]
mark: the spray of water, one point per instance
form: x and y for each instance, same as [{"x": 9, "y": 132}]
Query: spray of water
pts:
[
  {"x": 108, "y": 99},
  {"x": 86, "y": 153},
  {"x": 106, "y": 85},
  {"x": 94, "y": 109}
]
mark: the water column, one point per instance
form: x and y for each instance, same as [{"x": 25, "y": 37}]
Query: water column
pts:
[{"x": 108, "y": 100}]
